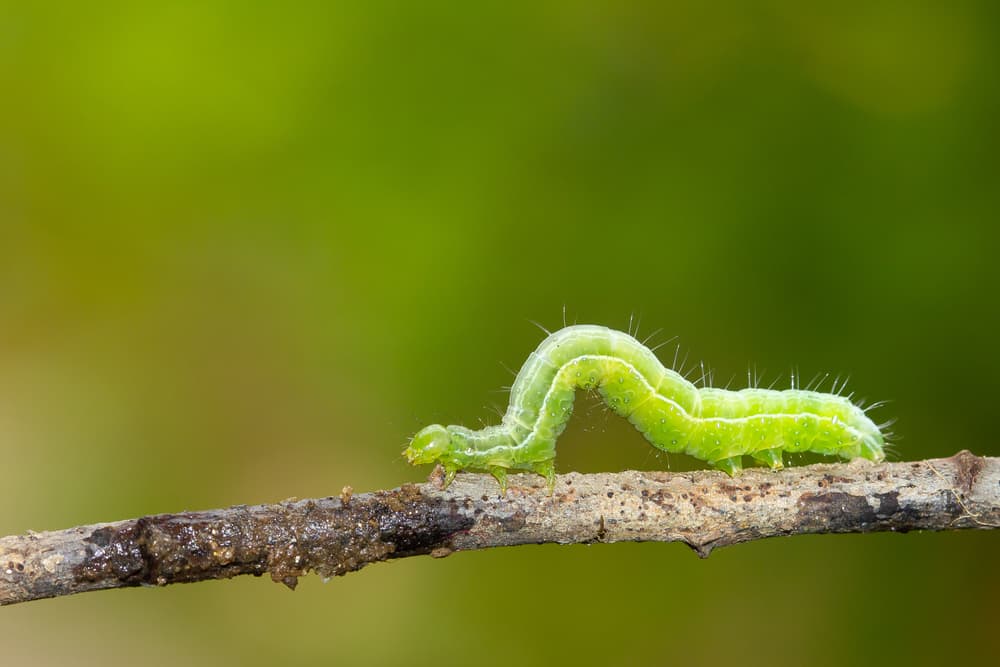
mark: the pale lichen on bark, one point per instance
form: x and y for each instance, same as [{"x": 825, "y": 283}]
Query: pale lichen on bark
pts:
[{"x": 336, "y": 535}]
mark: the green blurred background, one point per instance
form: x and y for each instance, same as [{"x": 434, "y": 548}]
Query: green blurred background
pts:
[{"x": 247, "y": 249}]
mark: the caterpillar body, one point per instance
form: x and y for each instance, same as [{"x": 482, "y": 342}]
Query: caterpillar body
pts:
[{"x": 715, "y": 425}]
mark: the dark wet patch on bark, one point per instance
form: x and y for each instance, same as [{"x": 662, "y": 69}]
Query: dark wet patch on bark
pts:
[{"x": 327, "y": 537}]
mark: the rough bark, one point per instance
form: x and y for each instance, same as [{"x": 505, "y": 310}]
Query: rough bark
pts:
[{"x": 336, "y": 535}]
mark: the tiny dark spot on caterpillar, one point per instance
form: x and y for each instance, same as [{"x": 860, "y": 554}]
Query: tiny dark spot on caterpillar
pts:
[
  {"x": 485, "y": 498},
  {"x": 611, "y": 494},
  {"x": 645, "y": 493},
  {"x": 733, "y": 498},
  {"x": 747, "y": 498}
]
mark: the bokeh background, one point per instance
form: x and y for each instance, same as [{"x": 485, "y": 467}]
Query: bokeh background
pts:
[{"x": 247, "y": 249}]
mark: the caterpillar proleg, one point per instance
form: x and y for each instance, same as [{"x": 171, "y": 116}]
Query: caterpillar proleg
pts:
[{"x": 715, "y": 425}]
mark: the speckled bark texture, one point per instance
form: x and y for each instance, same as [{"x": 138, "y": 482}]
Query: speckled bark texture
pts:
[{"x": 336, "y": 535}]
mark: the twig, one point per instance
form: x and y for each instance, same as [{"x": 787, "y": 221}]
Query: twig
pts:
[{"x": 337, "y": 535}]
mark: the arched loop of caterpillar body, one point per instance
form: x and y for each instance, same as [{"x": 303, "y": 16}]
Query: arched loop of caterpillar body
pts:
[{"x": 715, "y": 425}]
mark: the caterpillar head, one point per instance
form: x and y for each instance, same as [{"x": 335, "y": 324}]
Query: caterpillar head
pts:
[{"x": 429, "y": 445}]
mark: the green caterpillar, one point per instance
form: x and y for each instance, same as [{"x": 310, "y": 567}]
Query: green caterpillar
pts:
[{"x": 714, "y": 425}]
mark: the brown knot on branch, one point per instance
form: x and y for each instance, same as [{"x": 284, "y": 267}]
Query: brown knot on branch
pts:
[{"x": 336, "y": 535}]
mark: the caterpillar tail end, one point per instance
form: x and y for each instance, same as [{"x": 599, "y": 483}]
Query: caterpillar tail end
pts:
[{"x": 871, "y": 449}]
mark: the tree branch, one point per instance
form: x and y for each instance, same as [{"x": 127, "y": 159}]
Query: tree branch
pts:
[{"x": 334, "y": 536}]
